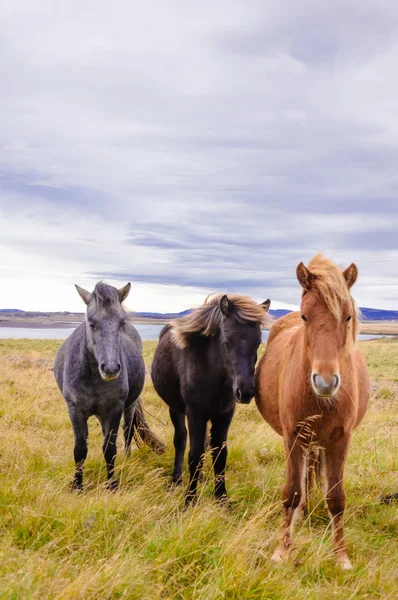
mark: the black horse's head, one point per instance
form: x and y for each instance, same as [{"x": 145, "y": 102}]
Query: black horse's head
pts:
[
  {"x": 105, "y": 321},
  {"x": 240, "y": 339}
]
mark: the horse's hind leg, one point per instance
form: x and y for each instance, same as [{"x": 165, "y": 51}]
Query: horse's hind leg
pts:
[
  {"x": 180, "y": 442},
  {"x": 219, "y": 432},
  {"x": 128, "y": 429},
  {"x": 80, "y": 430},
  {"x": 110, "y": 426},
  {"x": 293, "y": 496}
]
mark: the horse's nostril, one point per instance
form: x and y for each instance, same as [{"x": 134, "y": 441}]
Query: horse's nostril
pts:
[
  {"x": 314, "y": 376},
  {"x": 336, "y": 380},
  {"x": 239, "y": 393}
]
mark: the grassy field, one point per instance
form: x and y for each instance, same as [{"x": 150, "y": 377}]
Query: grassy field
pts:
[{"x": 139, "y": 543}]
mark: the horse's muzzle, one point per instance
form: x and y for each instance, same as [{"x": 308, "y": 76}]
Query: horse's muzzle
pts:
[
  {"x": 109, "y": 374},
  {"x": 243, "y": 397},
  {"x": 325, "y": 387}
]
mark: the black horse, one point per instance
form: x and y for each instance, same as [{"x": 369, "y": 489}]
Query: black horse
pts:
[{"x": 203, "y": 364}]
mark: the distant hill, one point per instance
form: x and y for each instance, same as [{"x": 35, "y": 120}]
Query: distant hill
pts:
[
  {"x": 368, "y": 314},
  {"x": 161, "y": 316},
  {"x": 374, "y": 314}
]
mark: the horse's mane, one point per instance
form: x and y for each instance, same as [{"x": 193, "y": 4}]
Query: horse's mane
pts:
[
  {"x": 330, "y": 285},
  {"x": 206, "y": 319},
  {"x": 105, "y": 294}
]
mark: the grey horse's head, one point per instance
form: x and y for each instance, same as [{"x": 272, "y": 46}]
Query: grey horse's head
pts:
[{"x": 105, "y": 322}]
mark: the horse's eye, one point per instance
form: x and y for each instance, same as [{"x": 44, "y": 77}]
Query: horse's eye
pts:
[
  {"x": 93, "y": 324},
  {"x": 348, "y": 318},
  {"x": 227, "y": 344},
  {"x": 123, "y": 323},
  {"x": 304, "y": 318}
]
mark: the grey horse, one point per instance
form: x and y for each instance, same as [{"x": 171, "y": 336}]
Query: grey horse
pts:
[{"x": 100, "y": 371}]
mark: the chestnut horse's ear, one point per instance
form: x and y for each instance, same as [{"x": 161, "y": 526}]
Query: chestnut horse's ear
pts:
[
  {"x": 225, "y": 305},
  {"x": 351, "y": 274},
  {"x": 266, "y": 304},
  {"x": 124, "y": 292},
  {"x": 84, "y": 294},
  {"x": 304, "y": 276}
]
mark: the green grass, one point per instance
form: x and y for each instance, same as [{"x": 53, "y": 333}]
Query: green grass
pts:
[{"x": 139, "y": 543}]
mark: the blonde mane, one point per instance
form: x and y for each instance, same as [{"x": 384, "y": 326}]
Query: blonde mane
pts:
[
  {"x": 206, "y": 319},
  {"x": 330, "y": 285}
]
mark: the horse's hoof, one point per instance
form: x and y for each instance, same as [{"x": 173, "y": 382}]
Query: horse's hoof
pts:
[
  {"x": 112, "y": 485},
  {"x": 224, "y": 501},
  {"x": 279, "y": 555},
  {"x": 344, "y": 562},
  {"x": 190, "y": 500},
  {"x": 389, "y": 498},
  {"x": 76, "y": 488},
  {"x": 174, "y": 483}
]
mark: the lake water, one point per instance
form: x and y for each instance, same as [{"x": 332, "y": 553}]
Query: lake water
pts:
[{"x": 146, "y": 331}]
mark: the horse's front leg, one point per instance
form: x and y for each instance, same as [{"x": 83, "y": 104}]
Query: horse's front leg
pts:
[
  {"x": 219, "y": 433},
  {"x": 293, "y": 494},
  {"x": 197, "y": 433},
  {"x": 80, "y": 430},
  {"x": 335, "y": 456},
  {"x": 110, "y": 424}
]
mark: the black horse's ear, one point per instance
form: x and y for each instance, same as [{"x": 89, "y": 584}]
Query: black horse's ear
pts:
[
  {"x": 124, "y": 292},
  {"x": 84, "y": 294},
  {"x": 225, "y": 305},
  {"x": 351, "y": 274},
  {"x": 266, "y": 304},
  {"x": 304, "y": 276}
]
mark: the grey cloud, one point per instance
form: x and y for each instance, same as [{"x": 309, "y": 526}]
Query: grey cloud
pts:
[{"x": 223, "y": 143}]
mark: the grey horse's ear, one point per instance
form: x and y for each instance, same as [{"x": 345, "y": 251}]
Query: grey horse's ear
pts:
[
  {"x": 266, "y": 304},
  {"x": 124, "y": 292},
  {"x": 351, "y": 274},
  {"x": 225, "y": 305},
  {"x": 84, "y": 294},
  {"x": 304, "y": 276}
]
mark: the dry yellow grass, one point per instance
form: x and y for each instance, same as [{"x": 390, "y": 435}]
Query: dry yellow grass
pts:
[{"x": 138, "y": 543}]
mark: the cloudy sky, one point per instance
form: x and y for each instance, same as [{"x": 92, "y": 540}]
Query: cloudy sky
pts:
[{"x": 196, "y": 147}]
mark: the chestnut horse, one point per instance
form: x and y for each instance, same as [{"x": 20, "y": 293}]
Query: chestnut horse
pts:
[{"x": 313, "y": 389}]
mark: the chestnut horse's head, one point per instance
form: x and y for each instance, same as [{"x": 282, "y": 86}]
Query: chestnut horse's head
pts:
[{"x": 330, "y": 320}]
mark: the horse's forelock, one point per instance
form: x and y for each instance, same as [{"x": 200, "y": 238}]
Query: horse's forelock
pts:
[
  {"x": 105, "y": 295},
  {"x": 331, "y": 286},
  {"x": 208, "y": 318}
]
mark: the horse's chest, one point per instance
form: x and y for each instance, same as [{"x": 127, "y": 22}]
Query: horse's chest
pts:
[
  {"x": 99, "y": 397},
  {"x": 212, "y": 396}
]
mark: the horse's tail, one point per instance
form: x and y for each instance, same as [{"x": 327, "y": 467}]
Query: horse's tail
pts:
[{"x": 142, "y": 432}]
